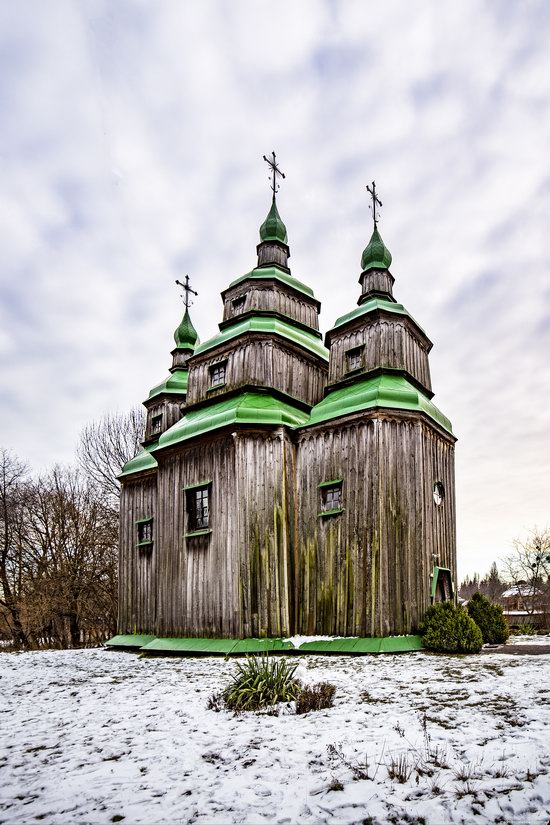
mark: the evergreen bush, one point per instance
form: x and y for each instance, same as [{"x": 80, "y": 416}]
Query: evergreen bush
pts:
[
  {"x": 448, "y": 628},
  {"x": 489, "y": 618}
]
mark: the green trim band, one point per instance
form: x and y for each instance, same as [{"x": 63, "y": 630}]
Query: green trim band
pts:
[
  {"x": 331, "y": 512},
  {"x": 196, "y": 533},
  {"x": 267, "y": 325},
  {"x": 216, "y": 387},
  {"x": 435, "y": 576},
  {"x": 148, "y": 543},
  {"x": 196, "y": 486},
  {"x": 272, "y": 273},
  {"x": 144, "y": 520},
  {"x": 332, "y": 483}
]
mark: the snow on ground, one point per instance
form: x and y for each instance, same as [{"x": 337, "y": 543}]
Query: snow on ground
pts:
[{"x": 97, "y": 736}]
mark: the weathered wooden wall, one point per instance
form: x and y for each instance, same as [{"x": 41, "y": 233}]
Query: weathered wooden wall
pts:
[
  {"x": 387, "y": 343},
  {"x": 137, "y": 567},
  {"x": 171, "y": 410},
  {"x": 272, "y": 297},
  {"x": 367, "y": 571},
  {"x": 263, "y": 361}
]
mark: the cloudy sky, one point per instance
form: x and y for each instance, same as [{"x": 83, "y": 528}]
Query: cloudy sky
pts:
[{"x": 131, "y": 138}]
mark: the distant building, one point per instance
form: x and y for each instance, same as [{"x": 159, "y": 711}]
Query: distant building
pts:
[
  {"x": 525, "y": 603},
  {"x": 289, "y": 486}
]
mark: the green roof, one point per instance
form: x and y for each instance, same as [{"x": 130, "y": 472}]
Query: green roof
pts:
[
  {"x": 273, "y": 228},
  {"x": 175, "y": 384},
  {"x": 246, "y": 408},
  {"x": 390, "y": 391},
  {"x": 263, "y": 272},
  {"x": 142, "y": 461},
  {"x": 268, "y": 324},
  {"x": 375, "y": 255},
  {"x": 371, "y": 306},
  {"x": 186, "y": 335}
]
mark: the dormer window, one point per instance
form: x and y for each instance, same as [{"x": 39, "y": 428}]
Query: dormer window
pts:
[
  {"x": 354, "y": 359},
  {"x": 217, "y": 374},
  {"x": 156, "y": 423},
  {"x": 238, "y": 305}
]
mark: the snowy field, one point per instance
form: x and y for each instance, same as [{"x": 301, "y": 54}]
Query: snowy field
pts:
[{"x": 96, "y": 736}]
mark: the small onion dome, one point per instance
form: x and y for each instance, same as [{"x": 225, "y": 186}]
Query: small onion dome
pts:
[
  {"x": 186, "y": 335},
  {"x": 375, "y": 255},
  {"x": 273, "y": 229}
]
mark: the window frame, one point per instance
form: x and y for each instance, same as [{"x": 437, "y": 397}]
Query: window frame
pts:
[
  {"x": 238, "y": 305},
  {"x": 355, "y": 352},
  {"x": 194, "y": 527},
  {"x": 145, "y": 528},
  {"x": 212, "y": 369},
  {"x": 328, "y": 499},
  {"x": 156, "y": 418}
]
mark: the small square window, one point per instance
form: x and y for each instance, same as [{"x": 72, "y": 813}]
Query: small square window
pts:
[
  {"x": 354, "y": 359},
  {"x": 238, "y": 305},
  {"x": 331, "y": 497},
  {"x": 198, "y": 509},
  {"x": 217, "y": 374},
  {"x": 145, "y": 531},
  {"x": 156, "y": 423}
]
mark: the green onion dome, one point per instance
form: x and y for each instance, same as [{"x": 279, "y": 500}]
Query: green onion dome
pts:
[
  {"x": 186, "y": 335},
  {"x": 273, "y": 229},
  {"x": 375, "y": 255}
]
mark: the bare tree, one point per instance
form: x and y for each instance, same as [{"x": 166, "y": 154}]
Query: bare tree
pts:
[
  {"x": 528, "y": 569},
  {"x": 13, "y": 488},
  {"x": 106, "y": 445},
  {"x": 70, "y": 561}
]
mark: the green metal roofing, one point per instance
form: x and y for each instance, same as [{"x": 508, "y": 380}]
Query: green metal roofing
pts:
[
  {"x": 131, "y": 640},
  {"x": 270, "y": 325},
  {"x": 371, "y": 306},
  {"x": 375, "y": 255},
  {"x": 273, "y": 228},
  {"x": 141, "y": 462},
  {"x": 246, "y": 408},
  {"x": 263, "y": 272},
  {"x": 387, "y": 644},
  {"x": 186, "y": 335},
  {"x": 175, "y": 384},
  {"x": 390, "y": 391},
  {"x": 235, "y": 647}
]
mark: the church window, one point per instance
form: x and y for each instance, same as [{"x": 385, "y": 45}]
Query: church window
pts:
[
  {"x": 217, "y": 374},
  {"x": 156, "y": 423},
  {"x": 354, "y": 359},
  {"x": 331, "y": 497},
  {"x": 438, "y": 493},
  {"x": 238, "y": 305},
  {"x": 145, "y": 532},
  {"x": 198, "y": 508}
]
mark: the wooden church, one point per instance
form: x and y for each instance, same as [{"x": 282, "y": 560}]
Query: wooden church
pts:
[{"x": 286, "y": 485}]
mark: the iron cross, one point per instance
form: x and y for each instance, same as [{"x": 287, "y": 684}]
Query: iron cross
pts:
[
  {"x": 187, "y": 289},
  {"x": 272, "y": 163},
  {"x": 375, "y": 200}
]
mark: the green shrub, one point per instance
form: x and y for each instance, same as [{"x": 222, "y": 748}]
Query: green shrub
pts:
[
  {"x": 489, "y": 618},
  {"x": 448, "y": 628},
  {"x": 261, "y": 682},
  {"x": 315, "y": 697}
]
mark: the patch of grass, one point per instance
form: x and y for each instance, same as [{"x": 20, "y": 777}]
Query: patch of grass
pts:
[
  {"x": 369, "y": 699},
  {"x": 400, "y": 767},
  {"x": 260, "y": 682},
  {"x": 315, "y": 697}
]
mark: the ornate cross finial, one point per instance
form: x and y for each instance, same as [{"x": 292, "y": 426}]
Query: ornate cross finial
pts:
[
  {"x": 187, "y": 289},
  {"x": 375, "y": 200},
  {"x": 272, "y": 163}
]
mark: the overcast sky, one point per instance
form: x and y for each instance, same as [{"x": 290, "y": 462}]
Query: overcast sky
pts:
[{"x": 131, "y": 139}]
